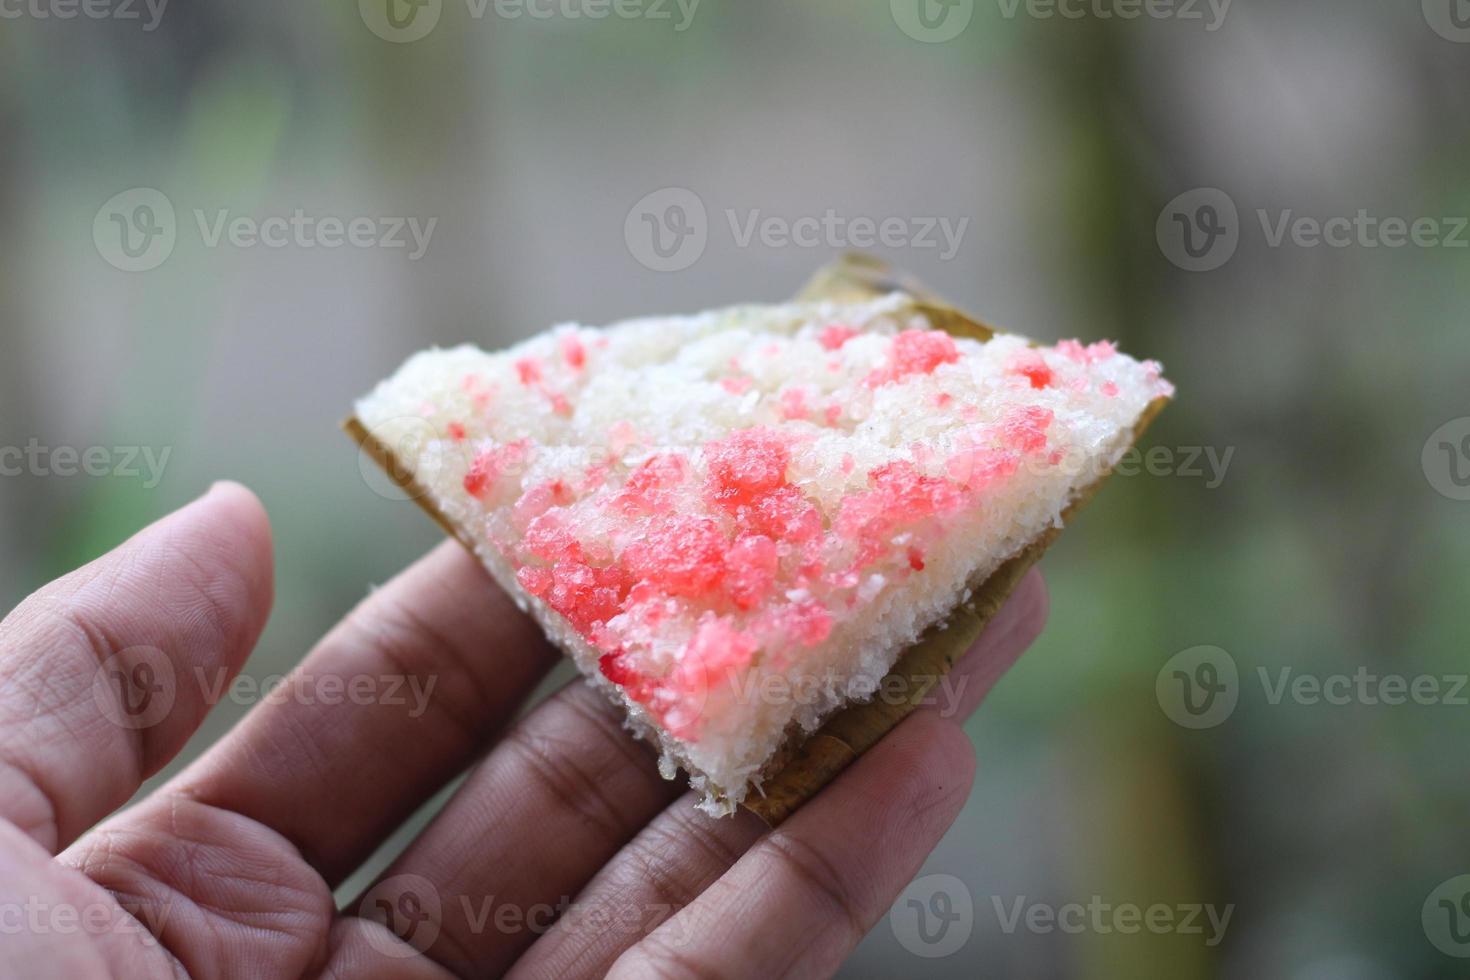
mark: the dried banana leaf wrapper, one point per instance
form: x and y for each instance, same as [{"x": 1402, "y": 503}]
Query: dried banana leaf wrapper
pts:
[{"x": 809, "y": 762}]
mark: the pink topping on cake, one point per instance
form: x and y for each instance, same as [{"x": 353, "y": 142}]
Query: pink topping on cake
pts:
[
  {"x": 539, "y": 499},
  {"x": 646, "y": 489},
  {"x": 751, "y": 569},
  {"x": 534, "y": 579},
  {"x": 615, "y": 667},
  {"x": 683, "y": 555},
  {"x": 1091, "y": 354},
  {"x": 794, "y": 404},
  {"x": 573, "y": 352},
  {"x": 749, "y": 463},
  {"x": 717, "y": 648},
  {"x": 1153, "y": 370},
  {"x": 621, "y": 436},
  {"x": 479, "y": 391},
  {"x": 915, "y": 352},
  {"x": 900, "y": 495},
  {"x": 595, "y": 477},
  {"x": 976, "y": 467},
  {"x": 528, "y": 369},
  {"x": 491, "y": 464},
  {"x": 1034, "y": 368},
  {"x": 718, "y": 541},
  {"x": 784, "y": 514},
  {"x": 834, "y": 335},
  {"x": 808, "y": 622},
  {"x": 718, "y": 651},
  {"x": 1024, "y": 429}
]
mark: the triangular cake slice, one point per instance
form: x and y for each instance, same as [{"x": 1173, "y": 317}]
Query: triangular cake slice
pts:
[{"x": 736, "y": 523}]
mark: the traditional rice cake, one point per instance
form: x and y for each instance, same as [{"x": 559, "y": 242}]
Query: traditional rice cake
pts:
[{"x": 736, "y": 522}]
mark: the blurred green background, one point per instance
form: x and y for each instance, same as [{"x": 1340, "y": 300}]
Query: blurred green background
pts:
[{"x": 1337, "y": 539}]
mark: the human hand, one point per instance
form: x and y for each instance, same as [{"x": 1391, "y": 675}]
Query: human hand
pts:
[{"x": 229, "y": 869}]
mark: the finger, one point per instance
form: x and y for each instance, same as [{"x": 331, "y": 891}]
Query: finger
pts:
[
  {"x": 661, "y": 871},
  {"x": 365, "y": 950},
  {"x": 799, "y": 900},
  {"x": 97, "y": 669},
  {"x": 392, "y": 704},
  {"x": 682, "y": 852},
  {"x": 554, "y": 801}
]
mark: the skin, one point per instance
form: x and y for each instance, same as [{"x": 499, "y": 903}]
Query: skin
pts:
[{"x": 229, "y": 869}]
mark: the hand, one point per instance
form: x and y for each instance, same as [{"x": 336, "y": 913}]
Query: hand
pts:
[{"x": 229, "y": 869}]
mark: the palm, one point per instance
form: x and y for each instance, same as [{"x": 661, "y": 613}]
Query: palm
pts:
[{"x": 229, "y": 869}]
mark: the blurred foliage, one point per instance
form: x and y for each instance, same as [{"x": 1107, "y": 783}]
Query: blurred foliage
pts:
[{"x": 1324, "y": 550}]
